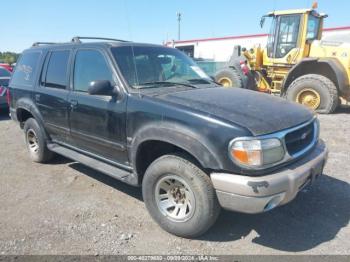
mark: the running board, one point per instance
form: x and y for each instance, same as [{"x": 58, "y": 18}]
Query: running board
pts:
[{"x": 98, "y": 165}]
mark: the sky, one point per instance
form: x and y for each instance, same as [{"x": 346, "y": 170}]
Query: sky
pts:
[{"x": 152, "y": 21}]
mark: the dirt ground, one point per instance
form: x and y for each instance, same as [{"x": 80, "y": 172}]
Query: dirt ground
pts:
[{"x": 66, "y": 208}]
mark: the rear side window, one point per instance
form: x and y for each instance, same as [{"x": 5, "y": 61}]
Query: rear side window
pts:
[
  {"x": 90, "y": 65},
  {"x": 26, "y": 68},
  {"x": 56, "y": 73}
]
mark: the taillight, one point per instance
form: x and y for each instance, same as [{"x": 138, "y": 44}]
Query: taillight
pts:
[
  {"x": 244, "y": 67},
  {"x": 8, "y": 96}
]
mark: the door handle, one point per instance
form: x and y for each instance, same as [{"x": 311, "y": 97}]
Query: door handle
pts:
[
  {"x": 73, "y": 104},
  {"x": 37, "y": 97}
]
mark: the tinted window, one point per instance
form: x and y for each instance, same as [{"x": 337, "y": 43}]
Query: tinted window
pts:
[
  {"x": 4, "y": 72},
  {"x": 56, "y": 74},
  {"x": 90, "y": 65},
  {"x": 25, "y": 70}
]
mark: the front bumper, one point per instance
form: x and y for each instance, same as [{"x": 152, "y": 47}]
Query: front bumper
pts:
[
  {"x": 258, "y": 194},
  {"x": 13, "y": 114}
]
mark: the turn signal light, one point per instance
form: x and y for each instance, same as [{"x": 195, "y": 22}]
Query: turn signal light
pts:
[{"x": 256, "y": 152}]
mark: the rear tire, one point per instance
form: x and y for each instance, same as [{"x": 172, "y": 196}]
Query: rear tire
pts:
[
  {"x": 229, "y": 78},
  {"x": 180, "y": 196},
  {"x": 36, "y": 142},
  {"x": 314, "y": 91}
]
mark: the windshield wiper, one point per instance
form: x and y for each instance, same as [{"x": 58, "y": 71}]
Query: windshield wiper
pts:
[
  {"x": 156, "y": 83},
  {"x": 201, "y": 81}
]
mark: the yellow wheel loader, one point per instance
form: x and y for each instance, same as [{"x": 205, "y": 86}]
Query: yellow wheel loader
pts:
[{"x": 295, "y": 64}]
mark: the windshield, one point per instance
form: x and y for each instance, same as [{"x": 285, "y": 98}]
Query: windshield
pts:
[{"x": 150, "y": 67}]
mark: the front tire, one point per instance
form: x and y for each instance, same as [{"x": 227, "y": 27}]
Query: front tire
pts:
[
  {"x": 314, "y": 91},
  {"x": 36, "y": 142},
  {"x": 180, "y": 196}
]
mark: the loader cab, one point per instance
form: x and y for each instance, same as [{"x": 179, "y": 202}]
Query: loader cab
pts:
[{"x": 291, "y": 35}]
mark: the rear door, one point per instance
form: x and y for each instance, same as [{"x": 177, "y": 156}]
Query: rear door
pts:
[
  {"x": 51, "y": 95},
  {"x": 97, "y": 122}
]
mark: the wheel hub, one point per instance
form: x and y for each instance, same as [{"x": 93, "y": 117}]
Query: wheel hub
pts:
[
  {"x": 309, "y": 97},
  {"x": 178, "y": 194},
  {"x": 225, "y": 82},
  {"x": 32, "y": 139},
  {"x": 175, "y": 198}
]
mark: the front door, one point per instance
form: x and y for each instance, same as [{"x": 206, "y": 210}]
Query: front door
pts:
[
  {"x": 97, "y": 123},
  {"x": 283, "y": 44}
]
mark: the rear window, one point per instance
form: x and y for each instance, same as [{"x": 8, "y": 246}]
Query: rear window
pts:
[{"x": 26, "y": 68}]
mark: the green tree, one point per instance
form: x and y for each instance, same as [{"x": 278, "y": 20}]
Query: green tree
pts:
[{"x": 8, "y": 57}]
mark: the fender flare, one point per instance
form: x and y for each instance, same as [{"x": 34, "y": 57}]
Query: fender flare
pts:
[
  {"x": 28, "y": 105},
  {"x": 179, "y": 137},
  {"x": 341, "y": 77}
]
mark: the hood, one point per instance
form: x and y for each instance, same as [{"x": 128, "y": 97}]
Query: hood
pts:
[
  {"x": 331, "y": 48},
  {"x": 260, "y": 113}
]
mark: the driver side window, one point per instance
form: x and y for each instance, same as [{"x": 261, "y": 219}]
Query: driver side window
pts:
[
  {"x": 90, "y": 65},
  {"x": 287, "y": 35}
]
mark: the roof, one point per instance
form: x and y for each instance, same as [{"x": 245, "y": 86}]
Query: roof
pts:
[
  {"x": 291, "y": 11},
  {"x": 104, "y": 44}
]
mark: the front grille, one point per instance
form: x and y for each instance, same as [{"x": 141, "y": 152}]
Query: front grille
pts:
[{"x": 298, "y": 140}]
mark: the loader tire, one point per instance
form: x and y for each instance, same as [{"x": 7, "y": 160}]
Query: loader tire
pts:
[
  {"x": 229, "y": 78},
  {"x": 317, "y": 92}
]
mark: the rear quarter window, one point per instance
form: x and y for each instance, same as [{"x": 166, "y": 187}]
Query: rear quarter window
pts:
[{"x": 26, "y": 69}]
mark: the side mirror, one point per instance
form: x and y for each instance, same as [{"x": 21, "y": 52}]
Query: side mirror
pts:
[
  {"x": 102, "y": 88},
  {"x": 262, "y": 21}
]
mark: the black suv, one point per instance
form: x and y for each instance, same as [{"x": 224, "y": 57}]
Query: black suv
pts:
[{"x": 148, "y": 115}]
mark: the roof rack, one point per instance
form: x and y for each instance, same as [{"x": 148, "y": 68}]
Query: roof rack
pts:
[
  {"x": 77, "y": 39},
  {"x": 43, "y": 43}
]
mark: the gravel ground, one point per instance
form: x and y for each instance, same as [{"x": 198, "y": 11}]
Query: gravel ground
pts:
[{"x": 66, "y": 208}]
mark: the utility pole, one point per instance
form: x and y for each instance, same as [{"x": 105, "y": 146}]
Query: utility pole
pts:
[{"x": 179, "y": 25}]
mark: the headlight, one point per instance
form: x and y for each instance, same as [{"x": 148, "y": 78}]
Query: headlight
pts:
[{"x": 256, "y": 152}]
